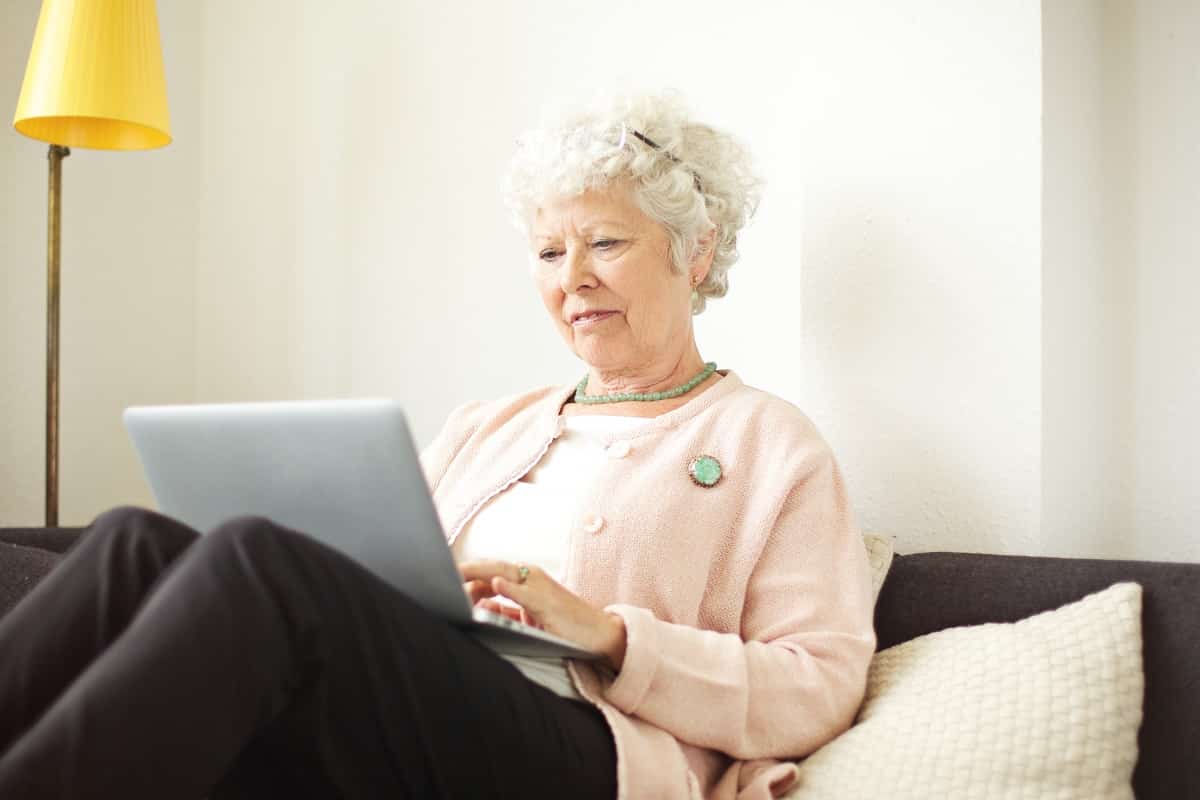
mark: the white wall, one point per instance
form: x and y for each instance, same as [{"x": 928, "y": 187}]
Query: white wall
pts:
[
  {"x": 920, "y": 268},
  {"x": 1087, "y": 277},
  {"x": 127, "y": 299},
  {"x": 896, "y": 252},
  {"x": 1121, "y": 278},
  {"x": 904, "y": 284},
  {"x": 1165, "y": 126}
]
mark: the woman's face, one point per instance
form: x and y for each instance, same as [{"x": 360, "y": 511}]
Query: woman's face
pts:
[{"x": 597, "y": 253}]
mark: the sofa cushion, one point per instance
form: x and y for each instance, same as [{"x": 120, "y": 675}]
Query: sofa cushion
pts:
[{"x": 1045, "y": 707}]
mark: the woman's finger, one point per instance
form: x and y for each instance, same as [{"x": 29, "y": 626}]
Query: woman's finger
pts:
[
  {"x": 487, "y": 570},
  {"x": 478, "y": 590},
  {"x": 528, "y": 619},
  {"x": 490, "y": 605},
  {"x": 523, "y": 594},
  {"x": 510, "y": 611}
]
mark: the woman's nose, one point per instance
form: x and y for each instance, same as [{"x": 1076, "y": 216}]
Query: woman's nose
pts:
[{"x": 576, "y": 271}]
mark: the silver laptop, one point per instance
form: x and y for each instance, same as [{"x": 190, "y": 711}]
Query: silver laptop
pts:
[{"x": 345, "y": 472}]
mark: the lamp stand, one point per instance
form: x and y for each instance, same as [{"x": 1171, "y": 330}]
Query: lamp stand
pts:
[{"x": 56, "y": 155}]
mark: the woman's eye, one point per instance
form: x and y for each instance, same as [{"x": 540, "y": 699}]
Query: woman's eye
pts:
[
  {"x": 548, "y": 255},
  {"x": 605, "y": 244}
]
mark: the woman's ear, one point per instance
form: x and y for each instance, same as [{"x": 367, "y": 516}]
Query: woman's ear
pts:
[{"x": 705, "y": 251}]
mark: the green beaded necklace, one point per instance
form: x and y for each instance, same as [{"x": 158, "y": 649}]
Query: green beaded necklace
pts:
[{"x": 580, "y": 397}]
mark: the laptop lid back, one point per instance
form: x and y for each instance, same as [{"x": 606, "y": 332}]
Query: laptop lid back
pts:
[{"x": 345, "y": 472}]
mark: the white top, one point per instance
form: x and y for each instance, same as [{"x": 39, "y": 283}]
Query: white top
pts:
[{"x": 530, "y": 520}]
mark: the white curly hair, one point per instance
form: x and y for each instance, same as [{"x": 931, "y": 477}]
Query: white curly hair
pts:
[{"x": 687, "y": 176}]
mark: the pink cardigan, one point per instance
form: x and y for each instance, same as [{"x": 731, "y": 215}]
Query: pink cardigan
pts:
[{"x": 748, "y": 604}]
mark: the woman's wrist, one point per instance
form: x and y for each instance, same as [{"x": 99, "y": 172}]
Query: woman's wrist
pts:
[{"x": 614, "y": 649}]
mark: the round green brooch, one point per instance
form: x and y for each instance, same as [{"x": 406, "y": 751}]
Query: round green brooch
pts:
[{"x": 705, "y": 471}]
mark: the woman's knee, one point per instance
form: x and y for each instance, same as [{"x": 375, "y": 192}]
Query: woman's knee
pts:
[
  {"x": 248, "y": 532},
  {"x": 120, "y": 518},
  {"x": 255, "y": 560},
  {"x": 140, "y": 528},
  {"x": 252, "y": 541}
]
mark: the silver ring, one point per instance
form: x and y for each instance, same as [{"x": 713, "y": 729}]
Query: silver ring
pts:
[{"x": 522, "y": 573}]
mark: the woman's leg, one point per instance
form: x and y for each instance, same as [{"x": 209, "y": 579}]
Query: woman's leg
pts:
[
  {"x": 273, "y": 660},
  {"x": 81, "y": 606}
]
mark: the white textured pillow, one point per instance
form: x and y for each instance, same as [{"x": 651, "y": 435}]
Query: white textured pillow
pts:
[
  {"x": 1047, "y": 707},
  {"x": 880, "y": 553}
]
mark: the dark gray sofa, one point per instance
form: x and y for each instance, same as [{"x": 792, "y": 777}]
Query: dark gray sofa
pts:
[{"x": 927, "y": 592}]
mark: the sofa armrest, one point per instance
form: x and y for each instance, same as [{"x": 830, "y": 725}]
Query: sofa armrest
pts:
[
  {"x": 56, "y": 540},
  {"x": 26, "y": 555}
]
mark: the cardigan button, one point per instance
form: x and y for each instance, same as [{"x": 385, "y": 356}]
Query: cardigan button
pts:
[
  {"x": 618, "y": 449},
  {"x": 592, "y": 523}
]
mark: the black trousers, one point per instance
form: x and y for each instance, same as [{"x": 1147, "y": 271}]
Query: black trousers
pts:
[{"x": 256, "y": 662}]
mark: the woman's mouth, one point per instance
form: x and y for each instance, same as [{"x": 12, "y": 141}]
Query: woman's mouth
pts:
[{"x": 587, "y": 320}]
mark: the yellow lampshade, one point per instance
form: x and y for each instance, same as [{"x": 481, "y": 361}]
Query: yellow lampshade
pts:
[{"x": 95, "y": 77}]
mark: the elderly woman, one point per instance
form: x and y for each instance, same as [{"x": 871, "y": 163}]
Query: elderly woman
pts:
[{"x": 692, "y": 530}]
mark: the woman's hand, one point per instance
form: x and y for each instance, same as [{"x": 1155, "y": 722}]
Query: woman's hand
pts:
[{"x": 547, "y": 604}]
